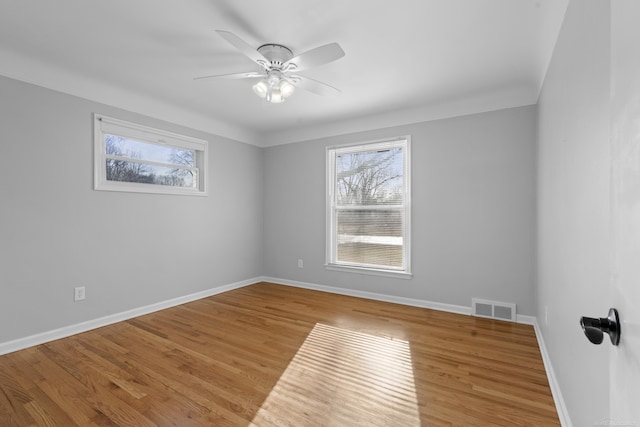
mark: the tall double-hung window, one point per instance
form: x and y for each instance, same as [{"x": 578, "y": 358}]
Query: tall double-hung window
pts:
[
  {"x": 132, "y": 157},
  {"x": 369, "y": 207}
]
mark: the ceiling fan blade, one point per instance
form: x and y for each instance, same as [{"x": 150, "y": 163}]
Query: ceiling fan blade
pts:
[
  {"x": 249, "y": 75},
  {"x": 244, "y": 47},
  {"x": 314, "y": 57},
  {"x": 314, "y": 86},
  {"x": 231, "y": 12}
]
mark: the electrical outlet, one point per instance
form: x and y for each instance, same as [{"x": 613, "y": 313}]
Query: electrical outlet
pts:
[
  {"x": 300, "y": 263},
  {"x": 79, "y": 293}
]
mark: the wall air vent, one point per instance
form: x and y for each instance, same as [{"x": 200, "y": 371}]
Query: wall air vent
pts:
[{"x": 494, "y": 309}]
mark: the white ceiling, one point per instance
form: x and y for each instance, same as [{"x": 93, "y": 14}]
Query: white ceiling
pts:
[{"x": 406, "y": 60}]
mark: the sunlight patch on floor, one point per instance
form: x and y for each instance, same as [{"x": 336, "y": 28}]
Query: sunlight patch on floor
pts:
[{"x": 341, "y": 377}]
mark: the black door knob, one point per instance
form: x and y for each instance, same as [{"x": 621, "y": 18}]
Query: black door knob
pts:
[{"x": 595, "y": 328}]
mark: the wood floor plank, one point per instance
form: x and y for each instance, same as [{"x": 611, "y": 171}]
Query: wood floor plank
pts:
[{"x": 271, "y": 355}]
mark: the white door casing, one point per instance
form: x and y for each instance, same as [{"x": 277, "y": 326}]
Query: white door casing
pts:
[{"x": 624, "y": 390}]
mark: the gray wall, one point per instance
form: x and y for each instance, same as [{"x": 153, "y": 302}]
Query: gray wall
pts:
[
  {"x": 573, "y": 206},
  {"x": 128, "y": 249},
  {"x": 473, "y": 210}
]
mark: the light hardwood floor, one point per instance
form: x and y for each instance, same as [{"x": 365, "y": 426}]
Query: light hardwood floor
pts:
[{"x": 274, "y": 355}]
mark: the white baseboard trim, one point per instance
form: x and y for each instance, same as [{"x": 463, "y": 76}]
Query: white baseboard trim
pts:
[
  {"x": 451, "y": 308},
  {"x": 459, "y": 309},
  {"x": 66, "y": 331},
  {"x": 561, "y": 407},
  {"x": 526, "y": 320}
]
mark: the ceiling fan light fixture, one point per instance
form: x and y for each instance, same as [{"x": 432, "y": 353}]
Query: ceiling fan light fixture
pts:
[
  {"x": 273, "y": 89},
  {"x": 286, "y": 88},
  {"x": 261, "y": 88},
  {"x": 274, "y": 96}
]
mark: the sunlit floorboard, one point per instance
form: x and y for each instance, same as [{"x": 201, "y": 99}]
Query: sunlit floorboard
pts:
[{"x": 349, "y": 375}]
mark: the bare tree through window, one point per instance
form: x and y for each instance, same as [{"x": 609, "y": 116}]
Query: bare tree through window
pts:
[
  {"x": 369, "y": 197},
  {"x": 184, "y": 158},
  {"x": 367, "y": 178},
  {"x": 122, "y": 170},
  {"x": 126, "y": 164}
]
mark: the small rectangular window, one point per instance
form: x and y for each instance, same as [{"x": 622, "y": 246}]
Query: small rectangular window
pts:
[
  {"x": 132, "y": 157},
  {"x": 368, "y": 207}
]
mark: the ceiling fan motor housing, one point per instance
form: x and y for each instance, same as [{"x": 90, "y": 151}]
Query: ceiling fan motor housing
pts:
[{"x": 276, "y": 54}]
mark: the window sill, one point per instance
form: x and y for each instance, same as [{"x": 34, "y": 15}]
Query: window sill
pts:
[
  {"x": 370, "y": 271},
  {"x": 132, "y": 187}
]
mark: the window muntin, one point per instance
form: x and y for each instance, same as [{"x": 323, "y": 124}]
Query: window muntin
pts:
[
  {"x": 131, "y": 157},
  {"x": 368, "y": 206}
]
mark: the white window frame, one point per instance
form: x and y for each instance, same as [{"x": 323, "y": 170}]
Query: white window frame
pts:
[
  {"x": 331, "y": 209},
  {"x": 104, "y": 125}
]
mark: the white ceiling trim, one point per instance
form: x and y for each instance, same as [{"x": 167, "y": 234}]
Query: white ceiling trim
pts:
[
  {"x": 482, "y": 103},
  {"x": 43, "y": 74}
]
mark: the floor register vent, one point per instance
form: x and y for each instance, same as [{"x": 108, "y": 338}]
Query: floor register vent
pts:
[{"x": 494, "y": 309}]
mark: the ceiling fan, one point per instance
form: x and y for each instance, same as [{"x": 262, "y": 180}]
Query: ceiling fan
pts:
[{"x": 278, "y": 68}]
